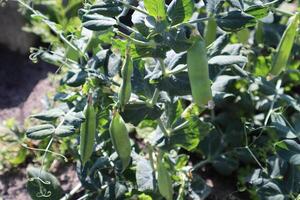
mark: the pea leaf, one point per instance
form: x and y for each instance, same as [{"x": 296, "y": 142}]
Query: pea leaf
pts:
[
  {"x": 235, "y": 20},
  {"x": 144, "y": 175},
  {"x": 223, "y": 60},
  {"x": 49, "y": 115},
  {"x": 225, "y": 165},
  {"x": 40, "y": 131},
  {"x": 108, "y": 9},
  {"x": 64, "y": 130},
  {"x": 42, "y": 185},
  {"x": 289, "y": 150},
  {"x": 96, "y": 22},
  {"x": 156, "y": 8},
  {"x": 180, "y": 11},
  {"x": 135, "y": 113},
  {"x": 257, "y": 11}
]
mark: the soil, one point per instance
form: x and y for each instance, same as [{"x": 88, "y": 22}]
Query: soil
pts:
[{"x": 23, "y": 85}]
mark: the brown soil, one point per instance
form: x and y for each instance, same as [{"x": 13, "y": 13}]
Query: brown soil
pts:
[{"x": 23, "y": 85}]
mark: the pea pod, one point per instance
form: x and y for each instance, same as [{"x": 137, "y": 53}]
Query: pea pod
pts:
[
  {"x": 285, "y": 46},
  {"x": 198, "y": 72},
  {"x": 87, "y": 132},
  {"x": 210, "y": 30},
  {"x": 164, "y": 180},
  {"x": 120, "y": 139},
  {"x": 125, "y": 90}
]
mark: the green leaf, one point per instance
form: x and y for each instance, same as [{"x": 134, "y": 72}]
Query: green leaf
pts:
[
  {"x": 75, "y": 79},
  {"x": 40, "y": 131},
  {"x": 188, "y": 137},
  {"x": 135, "y": 113},
  {"x": 225, "y": 165},
  {"x": 236, "y": 3},
  {"x": 212, "y": 145},
  {"x": 223, "y": 60},
  {"x": 289, "y": 150},
  {"x": 180, "y": 11},
  {"x": 108, "y": 8},
  {"x": 42, "y": 185},
  {"x": 258, "y": 11},
  {"x": 96, "y": 22},
  {"x": 64, "y": 130},
  {"x": 198, "y": 189},
  {"x": 212, "y": 6},
  {"x": 281, "y": 128},
  {"x": 49, "y": 115},
  {"x": 156, "y": 8},
  {"x": 235, "y": 20},
  {"x": 144, "y": 175}
]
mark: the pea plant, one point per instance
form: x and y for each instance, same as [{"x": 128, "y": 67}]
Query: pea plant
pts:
[{"x": 152, "y": 93}]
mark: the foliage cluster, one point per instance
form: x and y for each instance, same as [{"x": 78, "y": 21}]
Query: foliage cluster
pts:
[{"x": 152, "y": 91}]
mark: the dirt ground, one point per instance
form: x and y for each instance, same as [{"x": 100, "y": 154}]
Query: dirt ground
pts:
[{"x": 23, "y": 85}]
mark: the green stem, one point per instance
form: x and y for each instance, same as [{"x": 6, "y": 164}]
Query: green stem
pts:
[
  {"x": 134, "y": 8},
  {"x": 163, "y": 67},
  {"x": 191, "y": 22},
  {"x": 46, "y": 151},
  {"x": 72, "y": 192},
  {"x": 155, "y": 97},
  {"x": 283, "y": 12},
  {"x": 256, "y": 160},
  {"x": 163, "y": 128},
  {"x": 137, "y": 42},
  {"x": 126, "y": 27},
  {"x": 200, "y": 164},
  {"x": 181, "y": 126}
]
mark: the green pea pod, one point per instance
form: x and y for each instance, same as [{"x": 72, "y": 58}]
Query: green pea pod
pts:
[
  {"x": 125, "y": 90},
  {"x": 198, "y": 72},
  {"x": 87, "y": 132},
  {"x": 210, "y": 31},
  {"x": 164, "y": 180},
  {"x": 120, "y": 139},
  {"x": 285, "y": 46}
]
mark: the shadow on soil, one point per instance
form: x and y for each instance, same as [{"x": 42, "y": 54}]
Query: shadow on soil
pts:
[{"x": 18, "y": 77}]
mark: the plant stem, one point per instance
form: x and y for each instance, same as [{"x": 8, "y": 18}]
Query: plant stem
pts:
[
  {"x": 46, "y": 150},
  {"x": 126, "y": 27},
  {"x": 155, "y": 97},
  {"x": 72, "y": 192},
  {"x": 50, "y": 25},
  {"x": 256, "y": 160},
  {"x": 137, "y": 42},
  {"x": 163, "y": 67},
  {"x": 181, "y": 126},
  {"x": 163, "y": 128},
  {"x": 283, "y": 12},
  {"x": 191, "y": 22},
  {"x": 134, "y": 8},
  {"x": 200, "y": 164}
]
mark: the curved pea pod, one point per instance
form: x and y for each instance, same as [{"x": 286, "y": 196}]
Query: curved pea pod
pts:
[
  {"x": 125, "y": 90},
  {"x": 285, "y": 46},
  {"x": 120, "y": 139},
  {"x": 87, "y": 133},
  {"x": 164, "y": 180},
  {"x": 210, "y": 33},
  {"x": 197, "y": 64}
]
